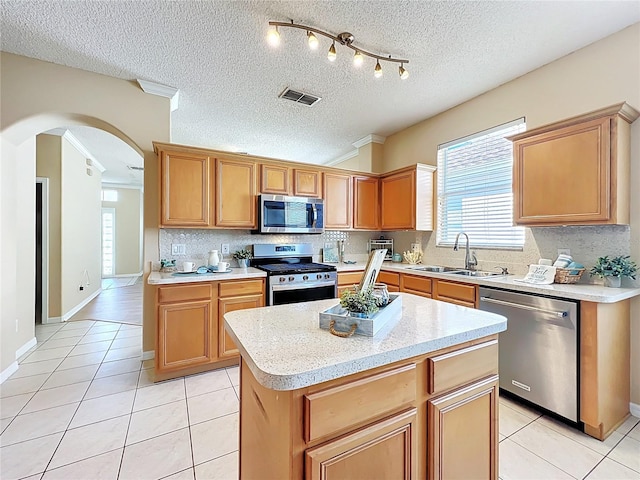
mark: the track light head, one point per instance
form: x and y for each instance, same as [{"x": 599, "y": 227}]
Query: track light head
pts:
[
  {"x": 377, "y": 72},
  {"x": 332, "y": 53},
  {"x": 358, "y": 59},
  {"x": 404, "y": 74},
  {"x": 273, "y": 37},
  {"x": 312, "y": 40}
]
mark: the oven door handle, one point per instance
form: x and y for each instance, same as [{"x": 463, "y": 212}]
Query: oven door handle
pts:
[{"x": 303, "y": 286}]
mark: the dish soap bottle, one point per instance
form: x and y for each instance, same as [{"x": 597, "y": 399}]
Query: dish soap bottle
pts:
[{"x": 214, "y": 258}]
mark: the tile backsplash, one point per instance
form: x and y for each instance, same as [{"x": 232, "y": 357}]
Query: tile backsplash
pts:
[{"x": 586, "y": 243}]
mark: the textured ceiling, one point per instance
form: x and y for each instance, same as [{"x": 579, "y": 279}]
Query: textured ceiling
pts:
[{"x": 229, "y": 78}]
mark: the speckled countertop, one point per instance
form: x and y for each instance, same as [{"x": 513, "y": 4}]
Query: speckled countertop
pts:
[
  {"x": 157, "y": 278},
  {"x": 588, "y": 292},
  {"x": 286, "y": 350}
]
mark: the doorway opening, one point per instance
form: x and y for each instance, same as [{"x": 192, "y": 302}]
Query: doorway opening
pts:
[{"x": 42, "y": 252}]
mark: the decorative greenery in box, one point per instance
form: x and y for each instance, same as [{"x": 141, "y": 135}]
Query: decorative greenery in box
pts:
[
  {"x": 359, "y": 302},
  {"x": 621, "y": 266},
  {"x": 242, "y": 254}
]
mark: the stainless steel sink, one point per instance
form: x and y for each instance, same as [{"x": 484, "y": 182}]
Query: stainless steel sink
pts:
[
  {"x": 475, "y": 273},
  {"x": 434, "y": 268}
]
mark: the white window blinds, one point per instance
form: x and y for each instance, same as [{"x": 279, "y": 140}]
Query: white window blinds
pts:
[{"x": 474, "y": 189}]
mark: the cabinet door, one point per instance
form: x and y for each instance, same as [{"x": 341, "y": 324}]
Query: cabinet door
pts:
[
  {"x": 186, "y": 337},
  {"x": 366, "y": 203},
  {"x": 386, "y": 449},
  {"x": 337, "y": 201},
  {"x": 235, "y": 194},
  {"x": 307, "y": 183},
  {"x": 274, "y": 179},
  {"x": 398, "y": 199},
  {"x": 464, "y": 425},
  {"x": 185, "y": 190},
  {"x": 226, "y": 346},
  {"x": 564, "y": 176}
]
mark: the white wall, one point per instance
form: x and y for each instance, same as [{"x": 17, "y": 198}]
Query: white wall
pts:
[{"x": 80, "y": 228}]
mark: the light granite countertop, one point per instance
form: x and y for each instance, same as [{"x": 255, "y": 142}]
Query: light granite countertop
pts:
[
  {"x": 157, "y": 278},
  {"x": 588, "y": 292},
  {"x": 286, "y": 350}
]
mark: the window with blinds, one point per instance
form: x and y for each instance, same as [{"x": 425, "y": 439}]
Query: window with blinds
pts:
[{"x": 474, "y": 189}]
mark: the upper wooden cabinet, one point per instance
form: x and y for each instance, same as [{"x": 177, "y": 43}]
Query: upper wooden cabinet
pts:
[
  {"x": 235, "y": 194},
  {"x": 337, "y": 201},
  {"x": 366, "y": 203},
  {"x": 574, "y": 172},
  {"x": 186, "y": 198},
  {"x": 307, "y": 183},
  {"x": 407, "y": 199},
  {"x": 275, "y": 179}
]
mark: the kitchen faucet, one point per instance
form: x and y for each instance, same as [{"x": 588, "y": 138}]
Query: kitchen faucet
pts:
[{"x": 470, "y": 260}]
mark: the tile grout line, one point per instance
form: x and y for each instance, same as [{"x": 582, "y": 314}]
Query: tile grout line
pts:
[
  {"x": 124, "y": 446},
  {"x": 186, "y": 399}
]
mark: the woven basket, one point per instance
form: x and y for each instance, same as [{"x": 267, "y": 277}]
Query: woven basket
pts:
[{"x": 566, "y": 275}]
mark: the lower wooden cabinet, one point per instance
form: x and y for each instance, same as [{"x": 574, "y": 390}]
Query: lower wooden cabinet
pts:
[
  {"x": 386, "y": 449},
  {"x": 347, "y": 280},
  {"x": 190, "y": 325},
  {"x": 463, "y": 424},
  {"x": 226, "y": 347}
]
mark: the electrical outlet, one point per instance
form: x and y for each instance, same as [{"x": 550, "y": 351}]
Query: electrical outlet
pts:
[
  {"x": 225, "y": 249},
  {"x": 178, "y": 249},
  {"x": 564, "y": 251}
]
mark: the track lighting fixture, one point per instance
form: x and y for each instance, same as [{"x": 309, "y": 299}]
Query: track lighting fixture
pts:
[{"x": 344, "y": 38}]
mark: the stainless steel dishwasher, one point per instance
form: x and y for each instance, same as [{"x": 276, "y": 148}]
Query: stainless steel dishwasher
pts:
[{"x": 539, "y": 349}]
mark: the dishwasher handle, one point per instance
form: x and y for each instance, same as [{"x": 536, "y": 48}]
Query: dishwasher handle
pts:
[{"x": 556, "y": 313}]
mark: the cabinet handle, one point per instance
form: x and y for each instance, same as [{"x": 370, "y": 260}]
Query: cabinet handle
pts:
[{"x": 342, "y": 334}]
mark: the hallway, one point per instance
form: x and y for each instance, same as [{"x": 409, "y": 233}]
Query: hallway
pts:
[{"x": 120, "y": 301}]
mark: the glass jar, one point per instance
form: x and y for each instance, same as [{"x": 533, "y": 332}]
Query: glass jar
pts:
[{"x": 381, "y": 294}]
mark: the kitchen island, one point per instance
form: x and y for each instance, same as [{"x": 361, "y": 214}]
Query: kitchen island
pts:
[{"x": 417, "y": 400}]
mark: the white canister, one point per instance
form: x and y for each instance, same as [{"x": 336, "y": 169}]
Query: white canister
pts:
[{"x": 214, "y": 258}]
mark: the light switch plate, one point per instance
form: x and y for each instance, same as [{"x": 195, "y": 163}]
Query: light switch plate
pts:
[
  {"x": 178, "y": 249},
  {"x": 564, "y": 251}
]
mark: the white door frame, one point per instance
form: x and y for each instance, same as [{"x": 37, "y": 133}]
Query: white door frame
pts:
[{"x": 45, "y": 250}]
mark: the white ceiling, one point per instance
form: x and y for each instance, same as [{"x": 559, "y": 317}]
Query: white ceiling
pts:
[{"x": 229, "y": 78}]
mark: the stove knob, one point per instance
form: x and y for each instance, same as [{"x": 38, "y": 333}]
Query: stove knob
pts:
[
  {"x": 319, "y": 276},
  {"x": 326, "y": 275},
  {"x": 291, "y": 279},
  {"x": 305, "y": 277},
  {"x": 282, "y": 279}
]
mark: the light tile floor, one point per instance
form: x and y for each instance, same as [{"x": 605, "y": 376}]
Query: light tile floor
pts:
[{"x": 83, "y": 405}]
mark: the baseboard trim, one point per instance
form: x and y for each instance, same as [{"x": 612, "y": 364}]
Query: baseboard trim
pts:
[
  {"x": 81, "y": 305},
  {"x": 150, "y": 355},
  {"x": 124, "y": 275},
  {"x": 23, "y": 349},
  {"x": 634, "y": 408},
  {"x": 53, "y": 320},
  {"x": 7, "y": 372}
]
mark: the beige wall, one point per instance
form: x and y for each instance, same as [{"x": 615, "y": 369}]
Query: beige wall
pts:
[
  {"x": 36, "y": 96},
  {"x": 602, "y": 74},
  {"x": 370, "y": 158},
  {"x": 128, "y": 229},
  {"x": 80, "y": 216},
  {"x": 49, "y": 165}
]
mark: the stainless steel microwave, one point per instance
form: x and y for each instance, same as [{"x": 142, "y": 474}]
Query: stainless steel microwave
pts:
[{"x": 282, "y": 214}]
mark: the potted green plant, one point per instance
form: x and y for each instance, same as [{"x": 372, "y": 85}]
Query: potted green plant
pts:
[
  {"x": 243, "y": 256},
  {"x": 613, "y": 269},
  {"x": 359, "y": 303}
]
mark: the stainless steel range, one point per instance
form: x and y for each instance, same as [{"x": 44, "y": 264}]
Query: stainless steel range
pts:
[{"x": 292, "y": 276}]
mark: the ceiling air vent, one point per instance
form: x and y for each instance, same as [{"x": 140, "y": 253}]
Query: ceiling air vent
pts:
[
  {"x": 299, "y": 97},
  {"x": 133, "y": 167}
]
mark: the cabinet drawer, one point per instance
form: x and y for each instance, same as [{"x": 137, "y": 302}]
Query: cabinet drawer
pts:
[
  {"x": 421, "y": 284},
  {"x": 416, "y": 292},
  {"x": 462, "y": 366},
  {"x": 338, "y": 408},
  {"x": 244, "y": 287},
  {"x": 183, "y": 293},
  {"x": 457, "y": 290},
  {"x": 389, "y": 278},
  {"x": 349, "y": 278}
]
